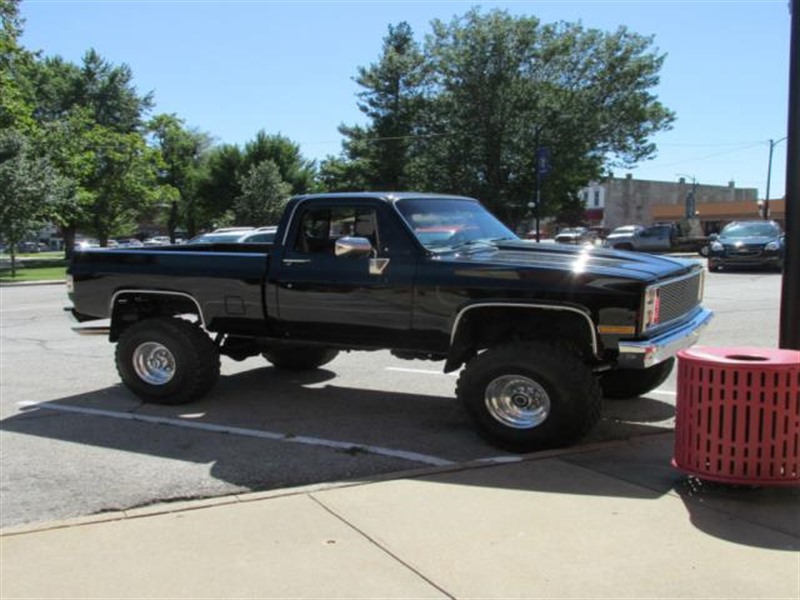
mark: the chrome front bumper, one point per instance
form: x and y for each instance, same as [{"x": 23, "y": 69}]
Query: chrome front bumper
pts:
[{"x": 641, "y": 354}]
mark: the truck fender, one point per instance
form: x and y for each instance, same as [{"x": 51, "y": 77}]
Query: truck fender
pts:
[
  {"x": 463, "y": 344},
  {"x": 167, "y": 303}
]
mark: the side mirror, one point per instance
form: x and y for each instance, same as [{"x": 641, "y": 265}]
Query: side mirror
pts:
[
  {"x": 714, "y": 237},
  {"x": 355, "y": 247}
]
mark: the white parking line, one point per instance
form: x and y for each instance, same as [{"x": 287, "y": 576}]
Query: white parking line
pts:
[
  {"x": 267, "y": 435},
  {"x": 419, "y": 371}
]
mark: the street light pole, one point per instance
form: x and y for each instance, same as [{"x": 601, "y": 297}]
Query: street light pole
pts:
[
  {"x": 790, "y": 296},
  {"x": 772, "y": 145}
]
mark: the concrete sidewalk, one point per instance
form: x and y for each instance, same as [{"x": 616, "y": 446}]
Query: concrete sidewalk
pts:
[{"x": 612, "y": 520}]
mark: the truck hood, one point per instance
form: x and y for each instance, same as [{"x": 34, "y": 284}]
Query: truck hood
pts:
[{"x": 637, "y": 266}]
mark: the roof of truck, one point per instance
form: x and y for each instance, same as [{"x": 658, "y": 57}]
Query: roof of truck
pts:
[{"x": 385, "y": 196}]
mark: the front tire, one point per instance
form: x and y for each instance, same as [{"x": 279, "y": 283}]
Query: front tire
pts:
[
  {"x": 632, "y": 383},
  {"x": 528, "y": 396},
  {"x": 167, "y": 360}
]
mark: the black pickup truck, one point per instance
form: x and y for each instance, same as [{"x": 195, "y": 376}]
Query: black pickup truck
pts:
[{"x": 542, "y": 332}]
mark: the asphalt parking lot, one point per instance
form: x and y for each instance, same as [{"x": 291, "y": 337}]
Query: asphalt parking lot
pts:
[{"x": 75, "y": 442}]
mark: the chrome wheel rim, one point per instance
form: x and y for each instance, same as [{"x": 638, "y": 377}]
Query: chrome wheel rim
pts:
[
  {"x": 517, "y": 401},
  {"x": 154, "y": 363}
]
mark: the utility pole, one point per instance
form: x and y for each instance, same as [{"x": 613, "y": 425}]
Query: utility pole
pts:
[
  {"x": 790, "y": 291},
  {"x": 542, "y": 169},
  {"x": 772, "y": 145}
]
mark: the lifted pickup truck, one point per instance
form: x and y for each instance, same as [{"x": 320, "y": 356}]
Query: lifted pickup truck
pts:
[{"x": 542, "y": 332}]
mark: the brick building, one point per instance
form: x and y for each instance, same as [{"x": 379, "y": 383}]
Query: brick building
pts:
[{"x": 624, "y": 201}]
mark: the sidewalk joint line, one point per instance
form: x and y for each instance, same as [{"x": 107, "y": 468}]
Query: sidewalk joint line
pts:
[{"x": 380, "y": 546}]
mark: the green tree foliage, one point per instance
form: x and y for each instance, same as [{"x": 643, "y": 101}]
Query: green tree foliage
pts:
[
  {"x": 182, "y": 152},
  {"x": 344, "y": 174},
  {"x": 218, "y": 186},
  {"x": 15, "y": 63},
  {"x": 491, "y": 88},
  {"x": 264, "y": 195},
  {"x": 108, "y": 91},
  {"x": 293, "y": 168},
  {"x": 29, "y": 187},
  {"x": 92, "y": 118},
  {"x": 392, "y": 97}
]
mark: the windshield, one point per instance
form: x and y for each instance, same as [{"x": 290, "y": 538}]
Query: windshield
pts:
[
  {"x": 756, "y": 229},
  {"x": 447, "y": 223}
]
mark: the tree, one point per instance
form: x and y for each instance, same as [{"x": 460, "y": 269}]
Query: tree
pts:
[
  {"x": 92, "y": 118},
  {"x": 298, "y": 172},
  {"x": 264, "y": 195},
  {"x": 512, "y": 85},
  {"x": 219, "y": 186},
  {"x": 15, "y": 63},
  {"x": 29, "y": 186},
  {"x": 392, "y": 98},
  {"x": 340, "y": 174},
  {"x": 182, "y": 152},
  {"x": 493, "y": 88}
]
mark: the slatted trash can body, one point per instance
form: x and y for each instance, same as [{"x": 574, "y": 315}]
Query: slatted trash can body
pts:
[{"x": 738, "y": 415}]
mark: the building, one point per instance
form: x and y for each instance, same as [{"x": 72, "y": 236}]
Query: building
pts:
[{"x": 624, "y": 201}]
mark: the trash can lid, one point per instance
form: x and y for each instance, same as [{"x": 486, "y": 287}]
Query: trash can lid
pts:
[{"x": 742, "y": 355}]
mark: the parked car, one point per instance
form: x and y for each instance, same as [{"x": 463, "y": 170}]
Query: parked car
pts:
[
  {"x": 129, "y": 243},
  {"x": 620, "y": 236},
  {"x": 85, "y": 244},
  {"x": 748, "y": 244},
  {"x": 158, "y": 240},
  {"x": 233, "y": 236},
  {"x": 237, "y": 235},
  {"x": 262, "y": 235},
  {"x": 575, "y": 235}
]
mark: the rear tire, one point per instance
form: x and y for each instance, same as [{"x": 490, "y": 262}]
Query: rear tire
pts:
[
  {"x": 529, "y": 396},
  {"x": 632, "y": 383},
  {"x": 167, "y": 360},
  {"x": 300, "y": 358}
]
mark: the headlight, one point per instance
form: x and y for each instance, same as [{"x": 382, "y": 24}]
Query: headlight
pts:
[
  {"x": 716, "y": 246},
  {"x": 776, "y": 245},
  {"x": 70, "y": 284}
]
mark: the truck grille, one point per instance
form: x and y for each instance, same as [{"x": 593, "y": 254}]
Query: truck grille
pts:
[{"x": 678, "y": 297}]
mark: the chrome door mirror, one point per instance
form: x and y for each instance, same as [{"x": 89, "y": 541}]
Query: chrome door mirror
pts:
[{"x": 356, "y": 247}]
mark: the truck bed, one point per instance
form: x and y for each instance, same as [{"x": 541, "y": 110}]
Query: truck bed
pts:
[{"x": 225, "y": 280}]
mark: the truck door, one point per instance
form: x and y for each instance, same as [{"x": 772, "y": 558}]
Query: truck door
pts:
[{"x": 346, "y": 299}]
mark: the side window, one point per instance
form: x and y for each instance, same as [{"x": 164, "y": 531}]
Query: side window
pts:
[{"x": 320, "y": 227}]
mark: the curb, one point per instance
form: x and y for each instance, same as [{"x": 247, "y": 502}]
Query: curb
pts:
[{"x": 167, "y": 507}]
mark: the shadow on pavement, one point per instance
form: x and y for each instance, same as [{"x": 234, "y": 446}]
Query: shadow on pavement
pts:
[
  {"x": 766, "y": 518},
  {"x": 306, "y": 404}
]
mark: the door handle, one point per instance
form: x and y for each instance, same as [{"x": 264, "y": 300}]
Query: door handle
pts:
[{"x": 296, "y": 261}]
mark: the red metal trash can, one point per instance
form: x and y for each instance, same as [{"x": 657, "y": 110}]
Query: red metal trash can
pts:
[{"x": 738, "y": 415}]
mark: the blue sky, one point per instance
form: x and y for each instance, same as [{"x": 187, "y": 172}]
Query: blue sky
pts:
[{"x": 233, "y": 68}]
